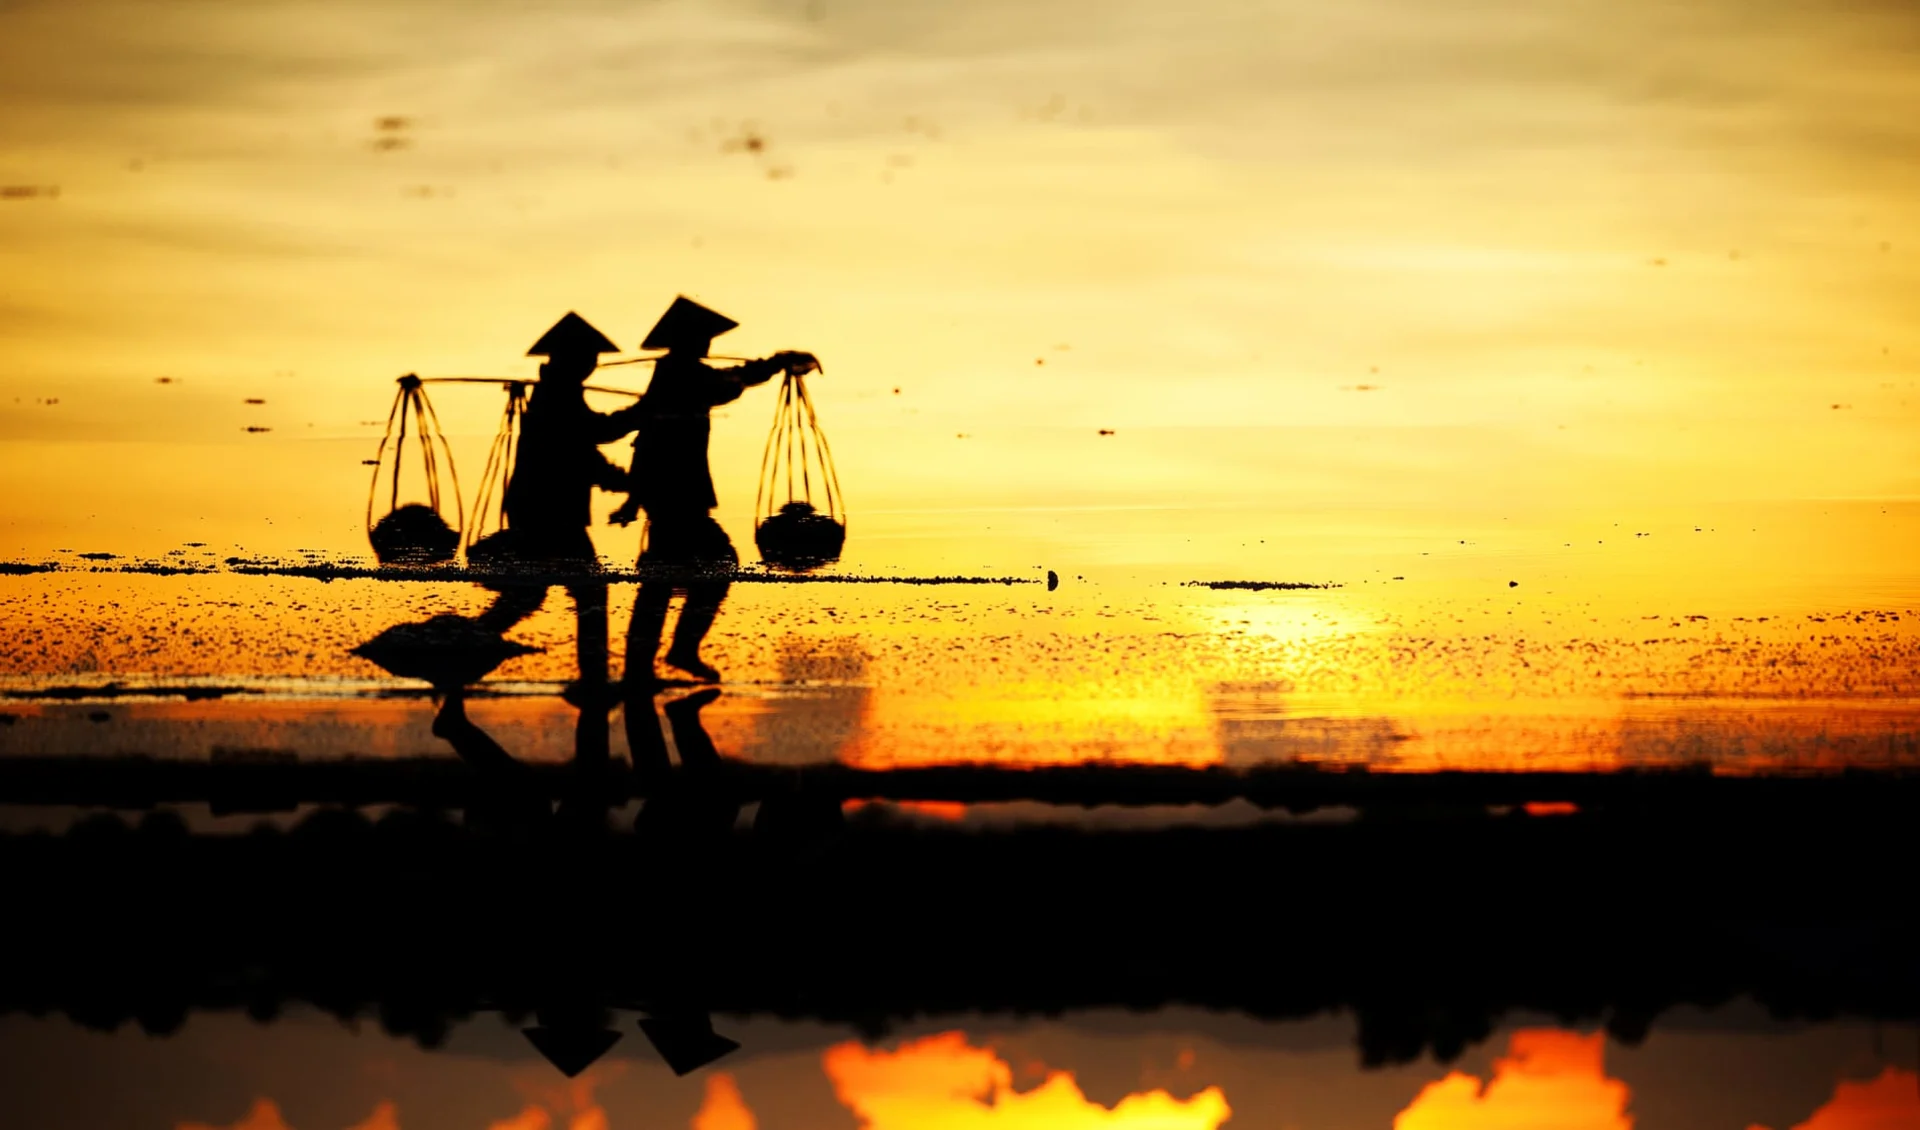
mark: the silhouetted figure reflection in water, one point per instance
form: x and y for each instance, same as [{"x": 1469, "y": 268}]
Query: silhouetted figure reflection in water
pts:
[
  {"x": 685, "y": 550},
  {"x": 453, "y": 652},
  {"x": 450, "y": 653},
  {"x": 548, "y": 499}
]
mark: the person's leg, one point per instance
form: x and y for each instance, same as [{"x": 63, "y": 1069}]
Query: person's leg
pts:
[
  {"x": 696, "y": 619},
  {"x": 514, "y": 604},
  {"x": 590, "y": 629},
  {"x": 644, "y": 630},
  {"x": 534, "y": 548},
  {"x": 714, "y": 563},
  {"x": 590, "y": 692},
  {"x": 658, "y": 544}
]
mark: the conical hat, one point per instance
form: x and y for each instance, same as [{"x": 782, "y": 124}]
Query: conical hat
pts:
[
  {"x": 687, "y": 1043},
  {"x": 572, "y": 1050},
  {"x": 572, "y": 335},
  {"x": 686, "y": 321}
]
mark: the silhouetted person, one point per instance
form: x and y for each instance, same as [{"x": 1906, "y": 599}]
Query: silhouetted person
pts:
[
  {"x": 548, "y": 499},
  {"x": 686, "y": 550}
]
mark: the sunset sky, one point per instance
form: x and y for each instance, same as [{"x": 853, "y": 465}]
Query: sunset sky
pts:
[
  {"x": 1372, "y": 256},
  {"x": 1490, "y": 385}
]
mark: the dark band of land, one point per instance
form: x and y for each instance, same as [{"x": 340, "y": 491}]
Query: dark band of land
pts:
[
  {"x": 266, "y": 781},
  {"x": 1430, "y": 928}
]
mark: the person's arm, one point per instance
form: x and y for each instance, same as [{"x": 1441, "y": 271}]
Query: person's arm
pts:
[
  {"x": 608, "y": 475},
  {"x": 605, "y": 427},
  {"x": 750, "y": 373}
]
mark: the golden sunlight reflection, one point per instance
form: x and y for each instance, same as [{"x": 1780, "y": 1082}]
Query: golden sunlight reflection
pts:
[
  {"x": 723, "y": 1108},
  {"x": 1889, "y": 1101},
  {"x": 944, "y": 1083},
  {"x": 1549, "y": 1080},
  {"x": 561, "y": 1104}
]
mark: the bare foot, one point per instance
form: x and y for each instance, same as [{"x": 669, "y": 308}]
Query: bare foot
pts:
[{"x": 693, "y": 665}]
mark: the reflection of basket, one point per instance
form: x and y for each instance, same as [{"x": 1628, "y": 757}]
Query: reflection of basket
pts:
[
  {"x": 794, "y": 528},
  {"x": 414, "y": 533}
]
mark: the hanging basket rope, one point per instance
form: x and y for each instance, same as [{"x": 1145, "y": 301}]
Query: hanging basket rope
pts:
[
  {"x": 414, "y": 533},
  {"x": 799, "y": 519},
  {"x": 489, "y": 508}
]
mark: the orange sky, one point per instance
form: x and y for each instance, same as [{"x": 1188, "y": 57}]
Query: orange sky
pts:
[{"x": 1578, "y": 253}]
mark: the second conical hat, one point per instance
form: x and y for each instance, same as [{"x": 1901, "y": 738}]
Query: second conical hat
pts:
[{"x": 686, "y": 321}]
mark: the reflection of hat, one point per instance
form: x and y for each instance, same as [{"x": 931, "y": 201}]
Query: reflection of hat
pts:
[
  {"x": 686, "y": 321},
  {"x": 572, "y": 1050},
  {"x": 572, "y": 335},
  {"x": 687, "y": 1042}
]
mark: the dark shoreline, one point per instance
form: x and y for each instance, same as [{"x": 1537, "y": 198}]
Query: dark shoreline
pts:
[
  {"x": 275, "y": 781},
  {"x": 1429, "y": 925}
]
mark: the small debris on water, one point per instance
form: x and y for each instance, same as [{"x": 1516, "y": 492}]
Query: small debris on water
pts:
[
  {"x": 253, "y": 400},
  {"x": 1513, "y": 584},
  {"x": 1053, "y": 580},
  {"x": 257, "y": 428},
  {"x": 1106, "y": 431}
]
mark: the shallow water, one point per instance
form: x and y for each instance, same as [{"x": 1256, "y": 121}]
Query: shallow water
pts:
[{"x": 1676, "y": 645}]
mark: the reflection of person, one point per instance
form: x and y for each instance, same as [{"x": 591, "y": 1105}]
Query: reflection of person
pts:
[
  {"x": 686, "y": 550},
  {"x": 548, "y": 499}
]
